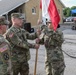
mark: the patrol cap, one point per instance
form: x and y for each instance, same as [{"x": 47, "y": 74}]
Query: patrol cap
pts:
[
  {"x": 3, "y": 21},
  {"x": 17, "y": 15}
]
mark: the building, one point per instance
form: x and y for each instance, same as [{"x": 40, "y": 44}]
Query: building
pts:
[
  {"x": 60, "y": 7},
  {"x": 32, "y": 11},
  {"x": 28, "y": 8}
]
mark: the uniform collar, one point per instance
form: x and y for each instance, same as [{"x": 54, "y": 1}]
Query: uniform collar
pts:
[{"x": 17, "y": 29}]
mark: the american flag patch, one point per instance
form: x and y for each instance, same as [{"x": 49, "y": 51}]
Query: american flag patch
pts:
[
  {"x": 3, "y": 48},
  {"x": 11, "y": 35}
]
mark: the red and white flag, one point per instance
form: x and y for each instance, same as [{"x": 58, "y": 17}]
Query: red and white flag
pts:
[{"x": 50, "y": 12}]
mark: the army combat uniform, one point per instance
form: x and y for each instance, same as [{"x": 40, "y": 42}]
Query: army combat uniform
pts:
[
  {"x": 54, "y": 63},
  {"x": 20, "y": 49},
  {"x": 5, "y": 61}
]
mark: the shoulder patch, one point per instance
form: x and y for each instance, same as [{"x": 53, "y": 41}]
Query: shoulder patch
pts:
[
  {"x": 11, "y": 35},
  {"x": 3, "y": 47}
]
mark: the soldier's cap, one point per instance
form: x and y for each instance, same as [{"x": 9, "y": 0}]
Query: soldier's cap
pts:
[
  {"x": 17, "y": 15},
  {"x": 3, "y": 21}
]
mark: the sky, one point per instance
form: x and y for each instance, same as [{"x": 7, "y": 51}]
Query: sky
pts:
[{"x": 69, "y": 3}]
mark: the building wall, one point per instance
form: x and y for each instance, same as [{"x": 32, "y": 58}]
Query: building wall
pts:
[
  {"x": 32, "y": 17},
  {"x": 26, "y": 9}
]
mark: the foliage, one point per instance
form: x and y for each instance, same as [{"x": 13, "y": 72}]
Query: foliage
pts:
[
  {"x": 67, "y": 11},
  {"x": 73, "y": 7}
]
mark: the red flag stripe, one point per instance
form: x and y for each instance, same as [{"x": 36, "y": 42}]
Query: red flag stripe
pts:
[
  {"x": 50, "y": 7},
  {"x": 40, "y": 4},
  {"x": 53, "y": 13}
]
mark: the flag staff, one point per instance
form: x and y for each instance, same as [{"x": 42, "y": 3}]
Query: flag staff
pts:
[{"x": 35, "y": 68}]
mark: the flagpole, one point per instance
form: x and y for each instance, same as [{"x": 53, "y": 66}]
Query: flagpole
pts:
[
  {"x": 35, "y": 68},
  {"x": 36, "y": 57}
]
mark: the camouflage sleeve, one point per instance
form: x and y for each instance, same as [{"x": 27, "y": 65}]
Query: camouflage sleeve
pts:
[
  {"x": 31, "y": 36},
  {"x": 16, "y": 41},
  {"x": 41, "y": 38},
  {"x": 61, "y": 39},
  {"x": 6, "y": 54},
  {"x": 9, "y": 69},
  {"x": 31, "y": 45}
]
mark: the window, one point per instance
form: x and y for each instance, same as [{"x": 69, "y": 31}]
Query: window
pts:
[{"x": 33, "y": 10}]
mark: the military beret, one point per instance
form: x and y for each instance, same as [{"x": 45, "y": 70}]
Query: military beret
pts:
[
  {"x": 17, "y": 15},
  {"x": 3, "y": 21}
]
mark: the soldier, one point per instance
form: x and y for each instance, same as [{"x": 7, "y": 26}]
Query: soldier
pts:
[
  {"x": 54, "y": 62},
  {"x": 20, "y": 47},
  {"x": 5, "y": 60}
]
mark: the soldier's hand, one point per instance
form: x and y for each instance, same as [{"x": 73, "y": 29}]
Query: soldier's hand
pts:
[
  {"x": 37, "y": 40},
  {"x": 38, "y": 32},
  {"x": 37, "y": 46}
]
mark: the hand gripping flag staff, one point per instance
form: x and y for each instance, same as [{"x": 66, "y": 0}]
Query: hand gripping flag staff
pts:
[{"x": 49, "y": 11}]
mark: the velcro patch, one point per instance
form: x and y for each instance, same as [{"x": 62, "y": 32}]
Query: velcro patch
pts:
[
  {"x": 11, "y": 35},
  {"x": 3, "y": 48}
]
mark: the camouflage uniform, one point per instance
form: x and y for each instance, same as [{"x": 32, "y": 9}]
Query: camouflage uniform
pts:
[
  {"x": 54, "y": 63},
  {"x": 5, "y": 59},
  {"x": 20, "y": 49}
]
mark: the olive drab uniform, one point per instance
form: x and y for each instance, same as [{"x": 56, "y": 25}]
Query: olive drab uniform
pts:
[
  {"x": 20, "y": 49},
  {"x": 54, "y": 63},
  {"x": 5, "y": 61}
]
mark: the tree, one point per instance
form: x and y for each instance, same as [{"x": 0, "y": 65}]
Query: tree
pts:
[
  {"x": 67, "y": 12},
  {"x": 73, "y": 7}
]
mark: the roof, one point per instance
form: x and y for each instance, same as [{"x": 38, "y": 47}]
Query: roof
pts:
[
  {"x": 8, "y": 5},
  {"x": 62, "y": 3}
]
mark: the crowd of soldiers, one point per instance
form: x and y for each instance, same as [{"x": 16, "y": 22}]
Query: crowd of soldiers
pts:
[{"x": 14, "y": 47}]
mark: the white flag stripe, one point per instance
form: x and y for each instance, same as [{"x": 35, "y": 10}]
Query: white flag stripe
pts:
[
  {"x": 45, "y": 5},
  {"x": 50, "y": 12}
]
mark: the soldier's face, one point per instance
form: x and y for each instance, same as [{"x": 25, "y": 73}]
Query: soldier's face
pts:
[
  {"x": 4, "y": 28},
  {"x": 50, "y": 25},
  {"x": 19, "y": 22}
]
